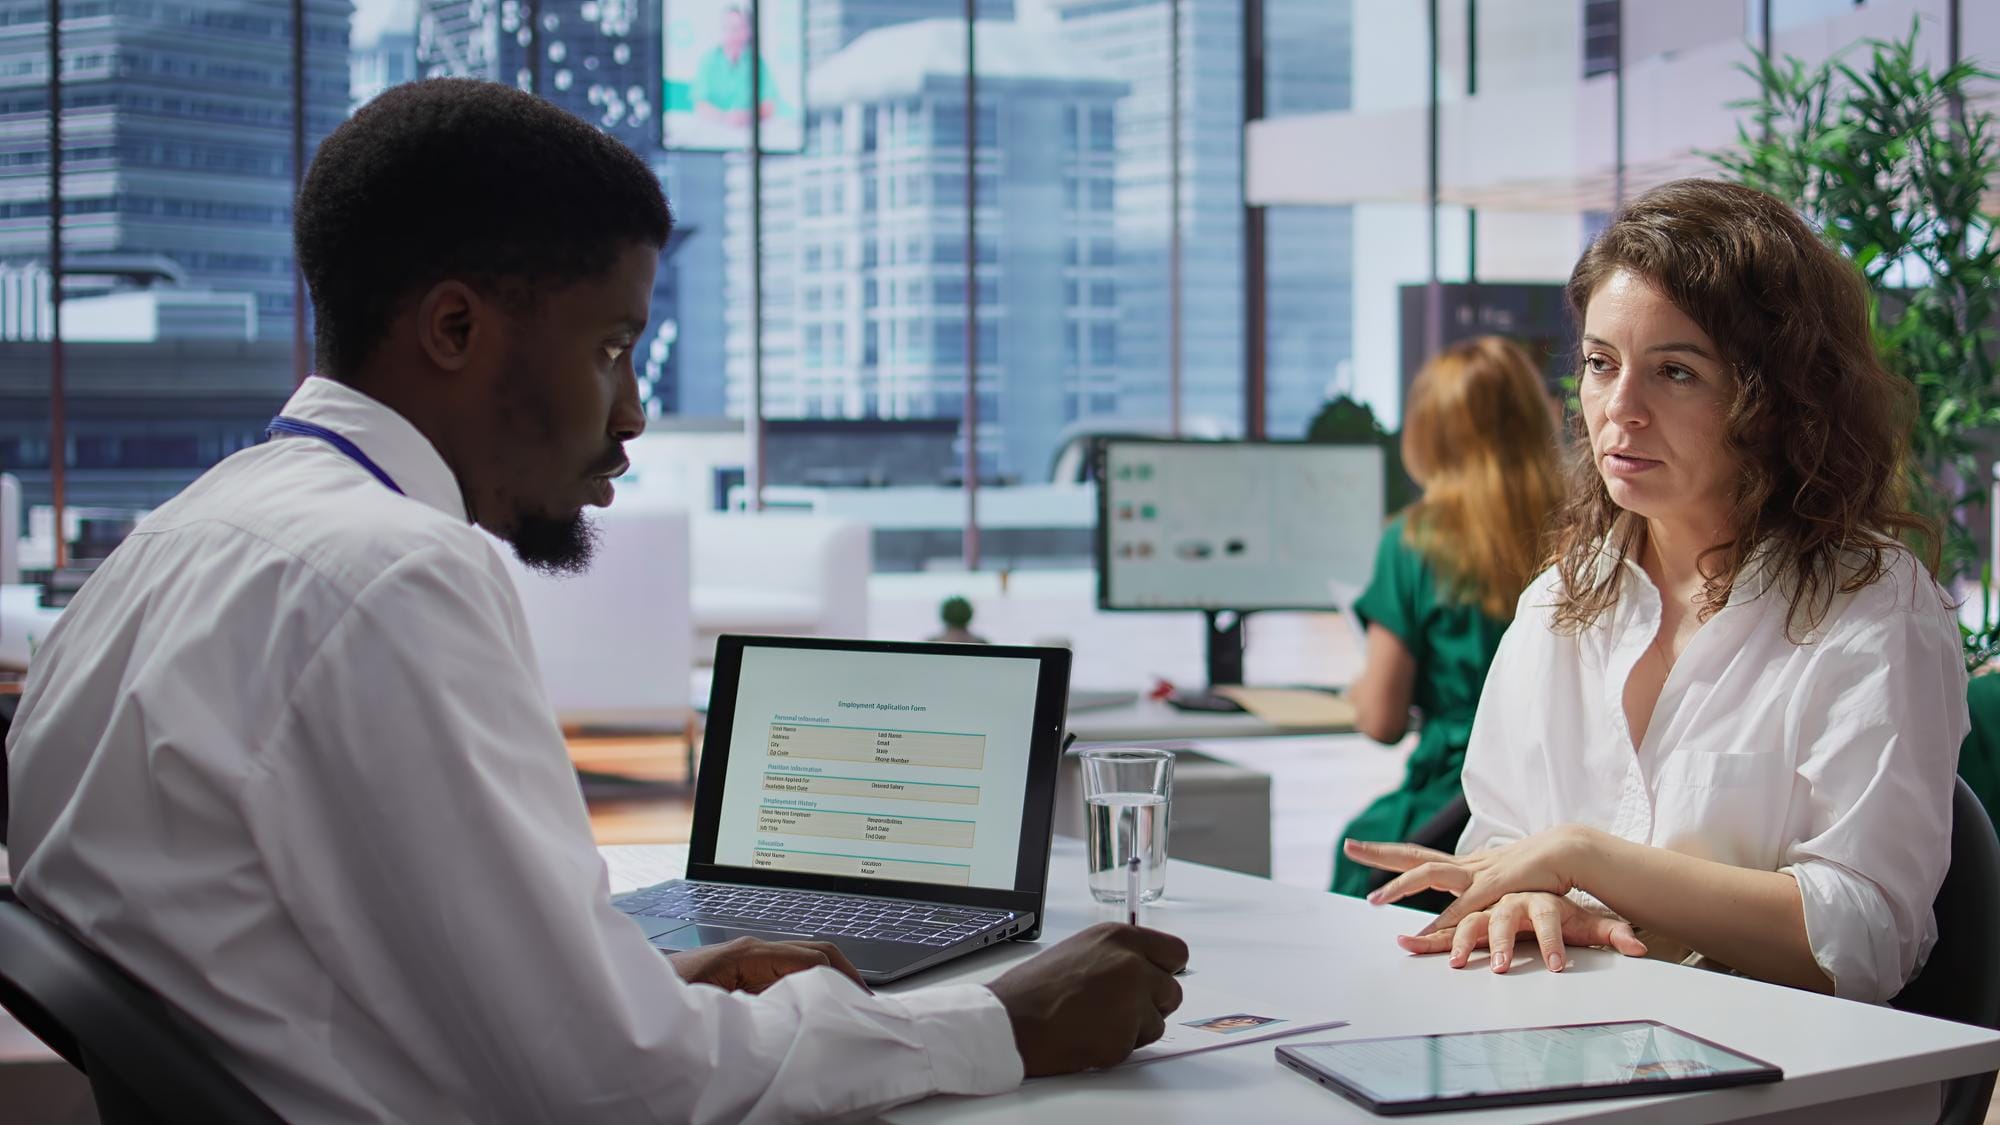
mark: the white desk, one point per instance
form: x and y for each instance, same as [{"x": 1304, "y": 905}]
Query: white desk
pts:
[
  {"x": 1334, "y": 957},
  {"x": 1150, "y": 720}
]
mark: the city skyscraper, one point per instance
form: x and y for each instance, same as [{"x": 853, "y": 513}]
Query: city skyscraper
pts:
[
  {"x": 176, "y": 135},
  {"x": 1307, "y": 64},
  {"x": 864, "y": 241},
  {"x": 600, "y": 60},
  {"x": 833, "y": 24}
]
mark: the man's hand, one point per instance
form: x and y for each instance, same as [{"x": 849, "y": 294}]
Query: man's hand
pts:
[
  {"x": 749, "y": 965},
  {"x": 1554, "y": 920},
  {"x": 1090, "y": 1000}
]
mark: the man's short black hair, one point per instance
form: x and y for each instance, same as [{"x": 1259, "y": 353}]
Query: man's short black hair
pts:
[{"x": 457, "y": 178}]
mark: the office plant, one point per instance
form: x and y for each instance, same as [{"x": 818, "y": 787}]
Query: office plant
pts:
[{"x": 1892, "y": 160}]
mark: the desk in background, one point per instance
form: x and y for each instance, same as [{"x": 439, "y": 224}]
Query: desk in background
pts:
[
  {"x": 1333, "y": 957},
  {"x": 1150, "y": 720}
]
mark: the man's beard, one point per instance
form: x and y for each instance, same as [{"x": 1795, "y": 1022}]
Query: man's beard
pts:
[{"x": 558, "y": 546}]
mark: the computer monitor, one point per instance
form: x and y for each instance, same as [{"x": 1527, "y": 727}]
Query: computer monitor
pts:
[{"x": 1229, "y": 527}]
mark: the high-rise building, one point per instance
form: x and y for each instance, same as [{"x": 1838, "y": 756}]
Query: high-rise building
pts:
[
  {"x": 1307, "y": 63},
  {"x": 389, "y": 60},
  {"x": 865, "y": 245},
  {"x": 600, "y": 60},
  {"x": 177, "y": 134},
  {"x": 1308, "y": 251},
  {"x": 833, "y": 24}
]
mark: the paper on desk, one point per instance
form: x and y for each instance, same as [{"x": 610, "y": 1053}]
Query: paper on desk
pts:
[
  {"x": 1292, "y": 707},
  {"x": 1212, "y": 1018},
  {"x": 633, "y": 866}
]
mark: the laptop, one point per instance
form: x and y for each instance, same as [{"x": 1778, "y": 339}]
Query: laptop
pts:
[{"x": 893, "y": 799}]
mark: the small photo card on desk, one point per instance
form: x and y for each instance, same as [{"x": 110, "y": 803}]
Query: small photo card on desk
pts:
[{"x": 1211, "y": 1018}]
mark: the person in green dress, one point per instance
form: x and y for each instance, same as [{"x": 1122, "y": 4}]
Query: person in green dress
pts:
[
  {"x": 1479, "y": 438},
  {"x": 721, "y": 90}
]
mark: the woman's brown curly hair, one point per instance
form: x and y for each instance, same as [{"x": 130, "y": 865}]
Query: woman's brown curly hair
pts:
[{"x": 1819, "y": 429}]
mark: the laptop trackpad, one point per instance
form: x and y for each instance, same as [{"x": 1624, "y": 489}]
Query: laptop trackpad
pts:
[
  {"x": 873, "y": 958},
  {"x": 696, "y": 935}
]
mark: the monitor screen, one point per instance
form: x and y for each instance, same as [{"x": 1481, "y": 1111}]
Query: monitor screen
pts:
[
  {"x": 1235, "y": 525},
  {"x": 879, "y": 765}
]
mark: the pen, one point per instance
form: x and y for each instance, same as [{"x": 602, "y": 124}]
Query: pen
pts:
[{"x": 1132, "y": 889}]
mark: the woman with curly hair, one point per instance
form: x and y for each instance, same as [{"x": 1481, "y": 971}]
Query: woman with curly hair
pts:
[{"x": 1725, "y": 721}]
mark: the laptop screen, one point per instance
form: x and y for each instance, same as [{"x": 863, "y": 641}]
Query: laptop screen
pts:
[{"x": 903, "y": 766}]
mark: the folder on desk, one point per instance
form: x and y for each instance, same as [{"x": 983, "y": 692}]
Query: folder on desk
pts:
[{"x": 1304, "y": 708}]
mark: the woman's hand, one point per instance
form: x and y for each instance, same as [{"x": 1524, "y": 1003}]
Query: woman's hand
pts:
[
  {"x": 1554, "y": 920},
  {"x": 1546, "y": 861}
]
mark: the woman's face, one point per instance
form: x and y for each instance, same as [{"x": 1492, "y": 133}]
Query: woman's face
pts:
[{"x": 1655, "y": 393}]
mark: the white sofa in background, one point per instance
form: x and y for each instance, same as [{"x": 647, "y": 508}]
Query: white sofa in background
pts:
[
  {"x": 613, "y": 643},
  {"x": 777, "y": 572}
]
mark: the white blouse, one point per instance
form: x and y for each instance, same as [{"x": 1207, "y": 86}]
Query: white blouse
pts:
[{"x": 1831, "y": 760}]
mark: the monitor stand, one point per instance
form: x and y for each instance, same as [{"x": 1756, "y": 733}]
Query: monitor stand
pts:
[{"x": 1225, "y": 663}]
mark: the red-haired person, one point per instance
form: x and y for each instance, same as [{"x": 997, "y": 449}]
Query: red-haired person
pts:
[{"x": 1479, "y": 439}]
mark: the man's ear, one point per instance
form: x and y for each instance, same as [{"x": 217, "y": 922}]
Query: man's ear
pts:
[{"x": 452, "y": 322}]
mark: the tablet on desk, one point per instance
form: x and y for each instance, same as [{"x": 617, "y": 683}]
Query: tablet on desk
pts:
[{"x": 1522, "y": 1066}]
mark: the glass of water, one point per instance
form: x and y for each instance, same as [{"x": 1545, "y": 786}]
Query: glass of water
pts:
[{"x": 1125, "y": 798}]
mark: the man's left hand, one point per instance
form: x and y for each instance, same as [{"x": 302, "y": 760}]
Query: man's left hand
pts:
[{"x": 749, "y": 965}]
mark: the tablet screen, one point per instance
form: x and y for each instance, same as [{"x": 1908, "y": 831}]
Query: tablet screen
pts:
[{"x": 1502, "y": 1065}]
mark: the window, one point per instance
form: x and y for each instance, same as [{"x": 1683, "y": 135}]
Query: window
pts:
[
  {"x": 812, "y": 298},
  {"x": 811, "y": 260},
  {"x": 1103, "y": 252},
  {"x": 989, "y": 342},
  {"x": 1101, "y": 129},
  {"x": 868, "y": 190},
  {"x": 949, "y": 290},
  {"x": 870, "y": 354},
  {"x": 948, "y": 249},
  {"x": 1101, "y": 194},
  {"x": 1103, "y": 344},
  {"x": 869, "y": 294},
  {"x": 1103, "y": 294},
  {"x": 947, "y": 341},
  {"x": 868, "y": 127},
  {"x": 1072, "y": 349}
]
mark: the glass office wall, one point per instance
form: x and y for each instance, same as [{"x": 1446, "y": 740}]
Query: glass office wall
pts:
[{"x": 907, "y": 249}]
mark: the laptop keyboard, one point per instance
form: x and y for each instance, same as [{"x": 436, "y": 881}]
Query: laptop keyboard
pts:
[{"x": 811, "y": 912}]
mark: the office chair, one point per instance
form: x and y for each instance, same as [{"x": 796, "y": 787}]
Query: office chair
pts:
[
  {"x": 145, "y": 1067},
  {"x": 1960, "y": 980}
]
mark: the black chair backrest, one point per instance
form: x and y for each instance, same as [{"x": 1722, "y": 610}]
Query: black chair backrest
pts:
[
  {"x": 145, "y": 1066},
  {"x": 1960, "y": 980}
]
